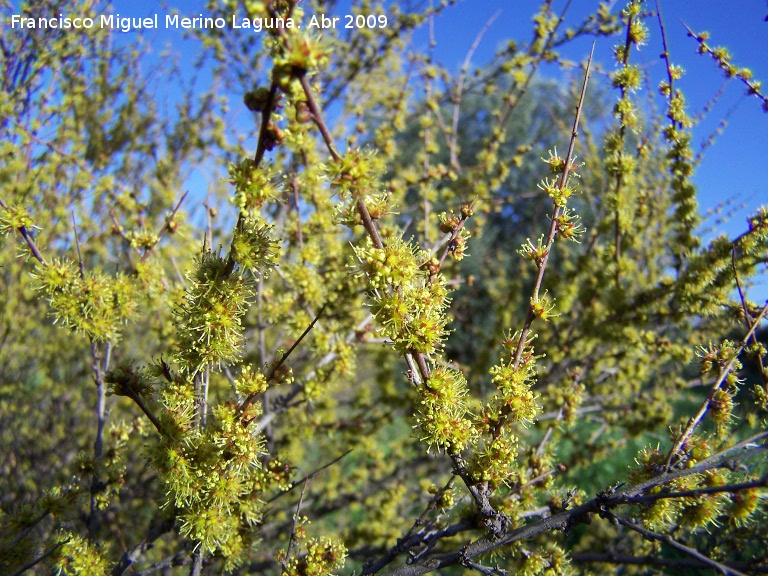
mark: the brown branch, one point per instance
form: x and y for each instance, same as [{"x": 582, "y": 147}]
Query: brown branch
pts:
[
  {"x": 273, "y": 369},
  {"x": 317, "y": 117},
  {"x": 496, "y": 522},
  {"x": 148, "y": 413}
]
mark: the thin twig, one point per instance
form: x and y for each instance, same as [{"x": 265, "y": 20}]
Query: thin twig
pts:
[
  {"x": 457, "y": 97},
  {"x": 539, "y": 478},
  {"x": 310, "y": 476},
  {"x": 317, "y": 117},
  {"x": 455, "y": 233},
  {"x": 273, "y": 369},
  {"x": 427, "y": 130},
  {"x": 40, "y": 559},
  {"x": 753, "y": 88},
  {"x": 511, "y": 102},
  {"x": 148, "y": 413},
  {"x": 694, "y": 421},
  {"x": 28, "y": 239},
  {"x": 101, "y": 403},
  {"x": 550, "y": 239},
  {"x": 167, "y": 226},
  {"x": 669, "y": 541},
  {"x": 179, "y": 558},
  {"x": 292, "y": 537}
]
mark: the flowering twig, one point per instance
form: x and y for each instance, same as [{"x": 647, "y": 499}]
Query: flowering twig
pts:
[
  {"x": 481, "y": 495},
  {"x": 25, "y": 233},
  {"x": 542, "y": 265},
  {"x": 721, "y": 56},
  {"x": 668, "y": 540},
  {"x": 599, "y": 505},
  {"x": 694, "y": 421}
]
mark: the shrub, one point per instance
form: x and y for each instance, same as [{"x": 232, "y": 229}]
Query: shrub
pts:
[{"x": 399, "y": 354}]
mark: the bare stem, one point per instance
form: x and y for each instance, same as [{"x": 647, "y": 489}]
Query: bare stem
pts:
[{"x": 496, "y": 522}]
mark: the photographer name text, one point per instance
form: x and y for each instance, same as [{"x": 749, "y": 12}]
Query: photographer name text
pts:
[{"x": 177, "y": 22}]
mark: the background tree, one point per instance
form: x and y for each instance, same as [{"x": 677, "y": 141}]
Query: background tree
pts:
[{"x": 310, "y": 365}]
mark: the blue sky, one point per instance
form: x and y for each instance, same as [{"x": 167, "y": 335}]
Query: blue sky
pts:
[{"x": 730, "y": 168}]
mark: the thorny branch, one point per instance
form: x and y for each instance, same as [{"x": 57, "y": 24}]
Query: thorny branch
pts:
[{"x": 602, "y": 503}]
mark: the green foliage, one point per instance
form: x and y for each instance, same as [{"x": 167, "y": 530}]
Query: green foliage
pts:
[{"x": 283, "y": 396}]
